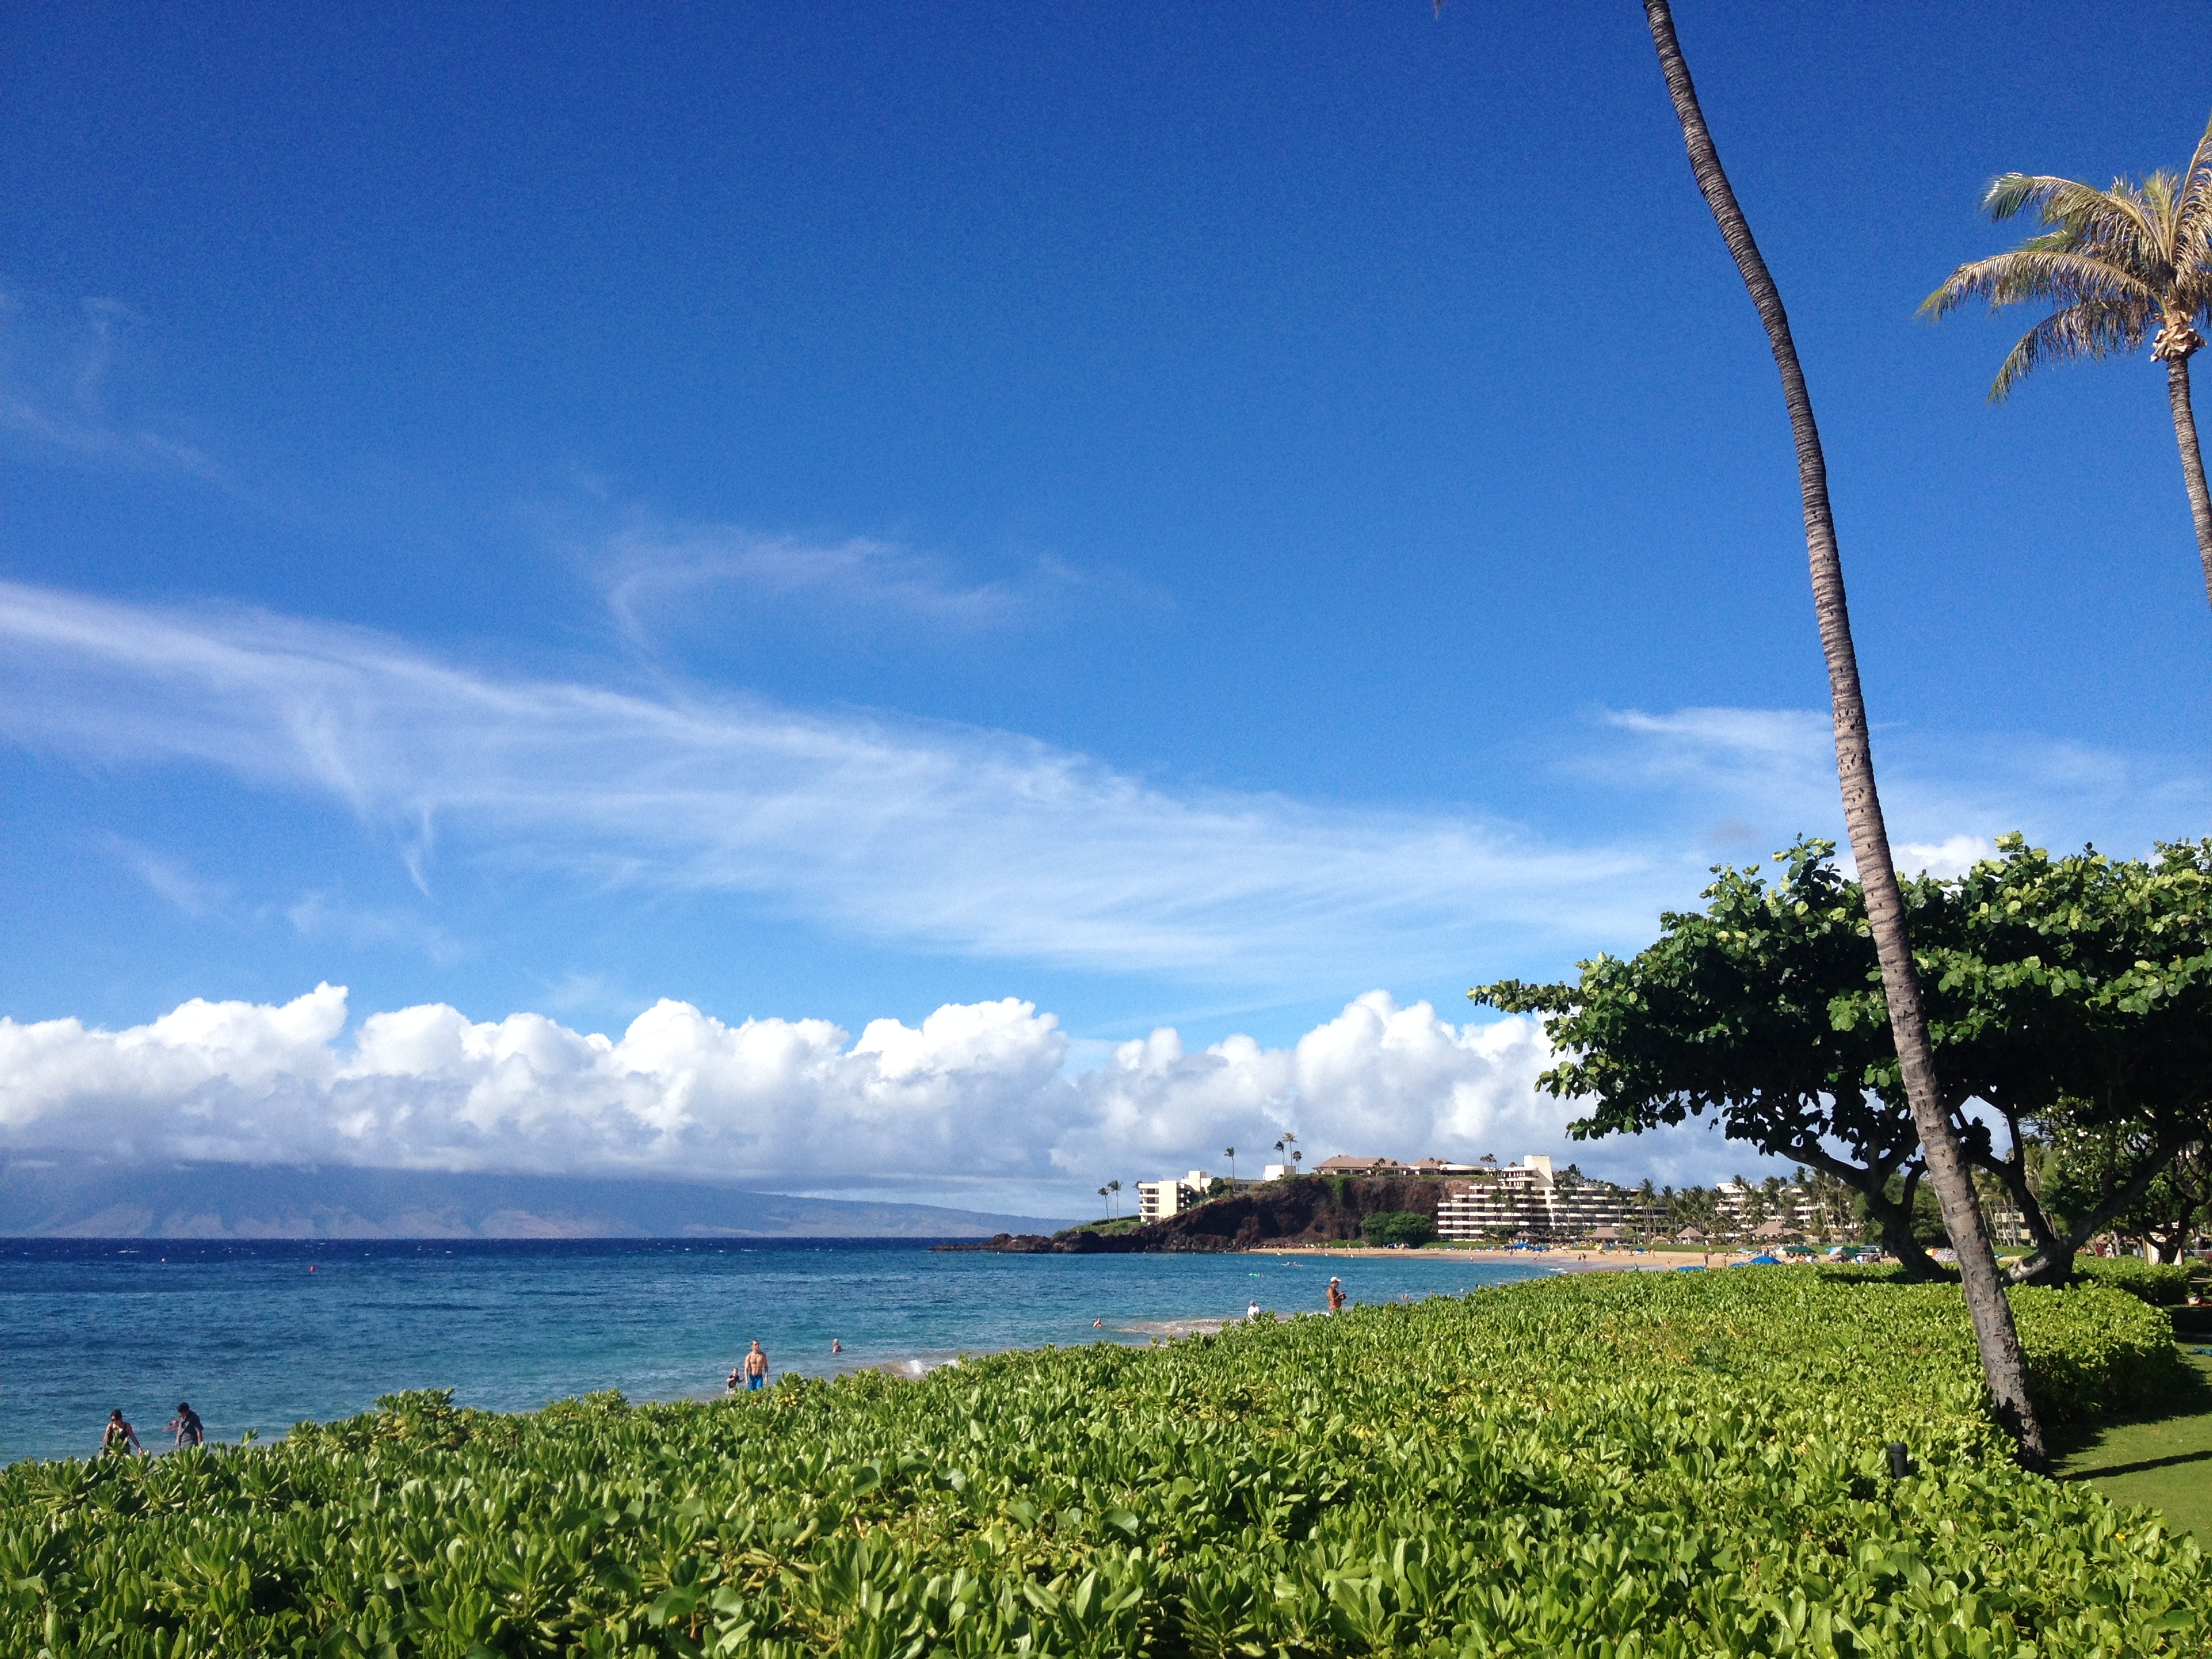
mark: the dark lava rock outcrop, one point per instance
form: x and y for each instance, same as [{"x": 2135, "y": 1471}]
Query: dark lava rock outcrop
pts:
[{"x": 1305, "y": 1210}]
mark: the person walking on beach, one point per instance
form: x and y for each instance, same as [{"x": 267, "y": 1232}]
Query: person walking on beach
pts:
[
  {"x": 1336, "y": 1296},
  {"x": 120, "y": 1438},
  {"x": 187, "y": 1428},
  {"x": 755, "y": 1369}
]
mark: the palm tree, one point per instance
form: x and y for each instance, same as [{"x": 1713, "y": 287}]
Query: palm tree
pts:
[
  {"x": 2003, "y": 1367},
  {"x": 1114, "y": 1187},
  {"x": 2121, "y": 266},
  {"x": 1230, "y": 1153},
  {"x": 1101, "y": 1194}
]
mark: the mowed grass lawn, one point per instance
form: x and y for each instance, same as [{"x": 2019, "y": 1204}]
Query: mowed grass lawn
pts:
[{"x": 2163, "y": 1459}]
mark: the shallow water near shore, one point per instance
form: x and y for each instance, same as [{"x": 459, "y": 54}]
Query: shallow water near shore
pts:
[{"x": 260, "y": 1335}]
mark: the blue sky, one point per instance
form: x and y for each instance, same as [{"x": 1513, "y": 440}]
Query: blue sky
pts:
[{"x": 1181, "y": 518}]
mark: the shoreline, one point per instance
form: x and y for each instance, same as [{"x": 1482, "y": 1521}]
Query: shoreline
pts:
[{"x": 1579, "y": 1261}]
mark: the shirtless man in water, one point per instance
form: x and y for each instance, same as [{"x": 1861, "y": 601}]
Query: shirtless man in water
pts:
[
  {"x": 1336, "y": 1296},
  {"x": 755, "y": 1369}
]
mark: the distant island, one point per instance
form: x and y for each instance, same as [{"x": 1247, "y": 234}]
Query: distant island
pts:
[{"x": 43, "y": 1198}]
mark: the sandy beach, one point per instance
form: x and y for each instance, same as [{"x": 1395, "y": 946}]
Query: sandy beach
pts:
[{"x": 1582, "y": 1261}]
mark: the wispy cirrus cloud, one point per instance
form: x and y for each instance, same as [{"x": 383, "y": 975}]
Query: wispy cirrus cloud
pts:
[
  {"x": 167, "y": 876},
  {"x": 930, "y": 836},
  {"x": 988, "y": 844},
  {"x": 683, "y": 582},
  {"x": 656, "y": 574},
  {"x": 1766, "y": 774},
  {"x": 55, "y": 392}
]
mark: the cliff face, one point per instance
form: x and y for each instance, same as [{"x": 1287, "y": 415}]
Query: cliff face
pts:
[{"x": 1307, "y": 1210}]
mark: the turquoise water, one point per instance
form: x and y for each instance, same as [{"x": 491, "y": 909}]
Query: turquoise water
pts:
[{"x": 260, "y": 1335}]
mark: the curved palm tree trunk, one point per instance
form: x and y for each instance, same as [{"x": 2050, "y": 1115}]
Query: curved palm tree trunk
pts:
[
  {"x": 2003, "y": 1365},
  {"x": 2192, "y": 459}
]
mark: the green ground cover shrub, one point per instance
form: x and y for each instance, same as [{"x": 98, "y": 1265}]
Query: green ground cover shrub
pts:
[
  {"x": 1617, "y": 1464},
  {"x": 2162, "y": 1286}
]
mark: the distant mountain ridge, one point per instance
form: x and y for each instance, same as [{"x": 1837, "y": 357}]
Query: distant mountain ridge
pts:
[{"x": 40, "y": 1199}]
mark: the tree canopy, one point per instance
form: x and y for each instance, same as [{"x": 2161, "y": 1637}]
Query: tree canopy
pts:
[{"x": 2071, "y": 996}]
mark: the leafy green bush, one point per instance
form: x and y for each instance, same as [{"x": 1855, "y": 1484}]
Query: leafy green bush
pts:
[
  {"x": 1617, "y": 1465},
  {"x": 1399, "y": 1227},
  {"x": 2090, "y": 1349},
  {"x": 2162, "y": 1286}
]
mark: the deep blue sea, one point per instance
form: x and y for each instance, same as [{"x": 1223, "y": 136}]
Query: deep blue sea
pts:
[{"x": 259, "y": 1335}]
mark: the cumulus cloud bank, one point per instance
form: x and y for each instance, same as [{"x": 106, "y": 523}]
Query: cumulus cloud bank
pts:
[{"x": 973, "y": 1101}]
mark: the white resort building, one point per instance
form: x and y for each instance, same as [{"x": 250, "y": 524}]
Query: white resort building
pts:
[
  {"x": 1527, "y": 1199},
  {"x": 1158, "y": 1200}
]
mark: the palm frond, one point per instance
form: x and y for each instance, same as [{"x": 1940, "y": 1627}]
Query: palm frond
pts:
[
  {"x": 2091, "y": 329},
  {"x": 2036, "y": 272},
  {"x": 2113, "y": 223},
  {"x": 2192, "y": 248},
  {"x": 2196, "y": 206},
  {"x": 2011, "y": 194}
]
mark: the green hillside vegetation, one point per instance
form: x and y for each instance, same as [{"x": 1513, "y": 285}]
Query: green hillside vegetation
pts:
[{"x": 1599, "y": 1465}]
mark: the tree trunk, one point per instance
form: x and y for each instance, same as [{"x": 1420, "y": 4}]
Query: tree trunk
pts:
[
  {"x": 2003, "y": 1366},
  {"x": 1871, "y": 1183},
  {"x": 1895, "y": 1220},
  {"x": 2051, "y": 1262},
  {"x": 2192, "y": 461}
]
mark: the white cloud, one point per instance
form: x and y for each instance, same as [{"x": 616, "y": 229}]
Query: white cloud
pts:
[
  {"x": 659, "y": 575},
  {"x": 972, "y": 1103},
  {"x": 943, "y": 837},
  {"x": 937, "y": 837},
  {"x": 1768, "y": 775},
  {"x": 167, "y": 876},
  {"x": 1953, "y": 856},
  {"x": 54, "y": 390}
]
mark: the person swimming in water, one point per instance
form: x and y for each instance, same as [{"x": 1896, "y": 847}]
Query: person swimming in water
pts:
[
  {"x": 835, "y": 1346},
  {"x": 120, "y": 1437}
]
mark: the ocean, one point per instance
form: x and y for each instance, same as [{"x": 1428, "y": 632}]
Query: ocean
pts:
[{"x": 258, "y": 1335}]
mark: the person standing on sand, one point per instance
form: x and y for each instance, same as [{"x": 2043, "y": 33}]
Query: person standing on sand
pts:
[
  {"x": 186, "y": 1426},
  {"x": 120, "y": 1438},
  {"x": 1336, "y": 1296},
  {"x": 755, "y": 1369}
]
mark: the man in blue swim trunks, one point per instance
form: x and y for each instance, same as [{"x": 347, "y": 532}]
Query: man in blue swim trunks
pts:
[{"x": 756, "y": 1368}]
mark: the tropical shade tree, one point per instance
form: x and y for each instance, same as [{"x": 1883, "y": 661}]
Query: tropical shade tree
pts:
[
  {"x": 1730, "y": 1011},
  {"x": 2119, "y": 267},
  {"x": 2071, "y": 997},
  {"x": 2171, "y": 1209},
  {"x": 2074, "y": 997},
  {"x": 2003, "y": 1364}
]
